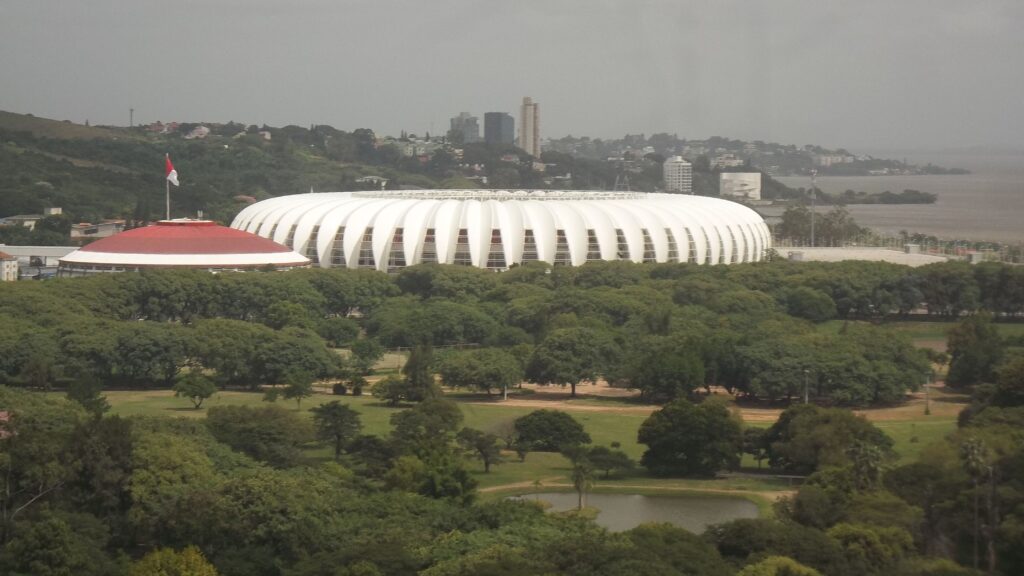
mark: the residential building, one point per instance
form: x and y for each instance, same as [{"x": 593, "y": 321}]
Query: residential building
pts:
[
  {"x": 746, "y": 185},
  {"x": 529, "y": 127},
  {"x": 499, "y": 128},
  {"x": 467, "y": 126},
  {"x": 8, "y": 267},
  {"x": 678, "y": 174}
]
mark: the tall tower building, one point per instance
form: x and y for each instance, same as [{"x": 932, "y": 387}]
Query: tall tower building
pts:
[
  {"x": 678, "y": 175},
  {"x": 529, "y": 127},
  {"x": 499, "y": 128},
  {"x": 467, "y": 126}
]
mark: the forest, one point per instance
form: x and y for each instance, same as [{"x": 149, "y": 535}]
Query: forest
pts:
[{"x": 89, "y": 492}]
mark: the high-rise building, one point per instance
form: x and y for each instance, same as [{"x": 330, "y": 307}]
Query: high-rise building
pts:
[
  {"x": 499, "y": 128},
  {"x": 678, "y": 175},
  {"x": 529, "y": 127},
  {"x": 467, "y": 126}
]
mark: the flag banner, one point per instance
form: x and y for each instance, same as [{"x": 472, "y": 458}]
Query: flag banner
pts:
[{"x": 172, "y": 174}]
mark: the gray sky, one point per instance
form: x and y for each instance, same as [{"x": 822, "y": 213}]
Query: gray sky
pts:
[{"x": 866, "y": 73}]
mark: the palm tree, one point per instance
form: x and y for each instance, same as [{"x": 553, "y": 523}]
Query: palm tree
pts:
[{"x": 582, "y": 480}]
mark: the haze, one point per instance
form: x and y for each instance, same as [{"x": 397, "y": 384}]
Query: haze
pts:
[{"x": 912, "y": 74}]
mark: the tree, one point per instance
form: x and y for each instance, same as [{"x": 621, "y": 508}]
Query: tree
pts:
[
  {"x": 298, "y": 385},
  {"x": 195, "y": 386},
  {"x": 777, "y": 566},
  {"x": 86, "y": 392},
  {"x": 58, "y": 545},
  {"x": 569, "y": 356},
  {"x": 975, "y": 349},
  {"x": 268, "y": 433},
  {"x": 754, "y": 444},
  {"x": 550, "y": 431},
  {"x": 336, "y": 423},
  {"x": 685, "y": 439},
  {"x": 169, "y": 562},
  {"x": 664, "y": 370},
  {"x": 806, "y": 438},
  {"x": 365, "y": 354},
  {"x": 391, "y": 389},
  {"x": 483, "y": 445},
  {"x": 419, "y": 374},
  {"x": 604, "y": 458},
  {"x": 484, "y": 369},
  {"x": 1010, "y": 384}
]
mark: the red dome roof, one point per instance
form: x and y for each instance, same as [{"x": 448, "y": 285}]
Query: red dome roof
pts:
[{"x": 185, "y": 237}]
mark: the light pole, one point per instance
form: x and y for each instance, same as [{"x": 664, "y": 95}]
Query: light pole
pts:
[
  {"x": 806, "y": 372},
  {"x": 814, "y": 195},
  {"x": 927, "y": 393}
]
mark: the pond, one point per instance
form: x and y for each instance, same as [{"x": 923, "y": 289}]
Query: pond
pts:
[{"x": 618, "y": 512}]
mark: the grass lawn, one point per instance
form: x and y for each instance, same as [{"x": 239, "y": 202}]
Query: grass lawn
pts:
[
  {"x": 910, "y": 435},
  {"x": 929, "y": 333}
]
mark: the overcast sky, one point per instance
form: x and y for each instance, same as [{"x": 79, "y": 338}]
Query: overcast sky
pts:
[{"x": 867, "y": 73}]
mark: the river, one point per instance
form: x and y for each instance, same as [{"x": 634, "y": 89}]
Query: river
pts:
[{"x": 987, "y": 204}]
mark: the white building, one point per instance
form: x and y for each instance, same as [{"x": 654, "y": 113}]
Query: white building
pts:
[
  {"x": 529, "y": 127},
  {"x": 746, "y": 185},
  {"x": 678, "y": 174},
  {"x": 496, "y": 229},
  {"x": 8, "y": 267}
]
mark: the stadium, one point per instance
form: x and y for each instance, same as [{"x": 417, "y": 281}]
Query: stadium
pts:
[
  {"x": 195, "y": 244},
  {"x": 496, "y": 229}
]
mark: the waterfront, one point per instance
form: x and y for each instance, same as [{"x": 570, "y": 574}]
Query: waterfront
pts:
[{"x": 987, "y": 204}]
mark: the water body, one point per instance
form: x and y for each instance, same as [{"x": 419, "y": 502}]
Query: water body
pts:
[
  {"x": 620, "y": 512},
  {"x": 987, "y": 204}
]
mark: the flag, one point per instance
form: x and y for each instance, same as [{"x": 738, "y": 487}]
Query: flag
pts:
[{"x": 172, "y": 174}]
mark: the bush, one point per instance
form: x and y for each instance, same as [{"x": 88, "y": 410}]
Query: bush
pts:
[{"x": 339, "y": 389}]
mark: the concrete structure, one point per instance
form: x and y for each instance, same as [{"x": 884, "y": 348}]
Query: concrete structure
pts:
[
  {"x": 871, "y": 254},
  {"x": 37, "y": 261},
  {"x": 467, "y": 126},
  {"x": 529, "y": 127},
  {"x": 196, "y": 244},
  {"x": 29, "y": 220},
  {"x": 8, "y": 267},
  {"x": 87, "y": 231},
  {"x": 678, "y": 174},
  {"x": 745, "y": 185},
  {"x": 495, "y": 229},
  {"x": 499, "y": 128}
]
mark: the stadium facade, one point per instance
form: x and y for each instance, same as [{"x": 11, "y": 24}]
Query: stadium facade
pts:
[
  {"x": 495, "y": 229},
  {"x": 195, "y": 244}
]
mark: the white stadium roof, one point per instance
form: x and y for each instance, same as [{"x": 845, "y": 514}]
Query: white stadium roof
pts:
[{"x": 495, "y": 229}]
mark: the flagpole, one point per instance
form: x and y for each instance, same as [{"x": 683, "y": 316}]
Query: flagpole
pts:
[{"x": 167, "y": 183}]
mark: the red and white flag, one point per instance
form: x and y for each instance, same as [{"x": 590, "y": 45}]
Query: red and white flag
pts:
[{"x": 172, "y": 174}]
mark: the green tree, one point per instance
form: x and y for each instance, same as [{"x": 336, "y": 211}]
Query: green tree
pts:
[
  {"x": 483, "y": 445},
  {"x": 86, "y": 392},
  {"x": 336, "y": 423},
  {"x": 975, "y": 350},
  {"x": 569, "y": 356},
  {"x": 419, "y": 374},
  {"x": 485, "y": 369},
  {"x": 195, "y": 386},
  {"x": 268, "y": 433},
  {"x": 550, "y": 431},
  {"x": 604, "y": 458},
  {"x": 685, "y": 439},
  {"x": 58, "y": 545},
  {"x": 806, "y": 438},
  {"x": 777, "y": 566},
  {"x": 391, "y": 389},
  {"x": 169, "y": 562},
  {"x": 664, "y": 370},
  {"x": 365, "y": 354}
]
